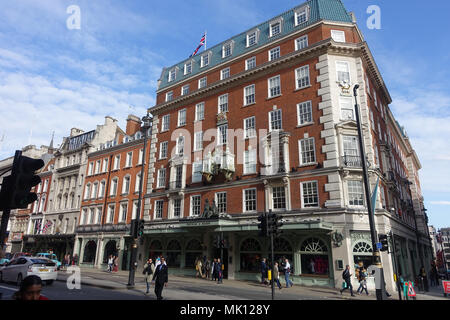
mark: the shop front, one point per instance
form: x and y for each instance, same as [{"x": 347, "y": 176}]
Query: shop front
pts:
[
  {"x": 60, "y": 244},
  {"x": 306, "y": 244}
]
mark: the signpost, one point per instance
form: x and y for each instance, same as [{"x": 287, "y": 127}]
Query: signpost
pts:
[{"x": 446, "y": 285}]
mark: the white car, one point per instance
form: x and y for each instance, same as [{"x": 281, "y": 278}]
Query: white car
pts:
[{"x": 17, "y": 269}]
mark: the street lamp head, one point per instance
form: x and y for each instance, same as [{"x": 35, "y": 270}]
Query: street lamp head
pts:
[{"x": 356, "y": 87}]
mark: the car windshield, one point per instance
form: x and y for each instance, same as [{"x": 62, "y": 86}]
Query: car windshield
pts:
[{"x": 43, "y": 261}]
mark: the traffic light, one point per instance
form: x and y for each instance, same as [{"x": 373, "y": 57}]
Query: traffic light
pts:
[
  {"x": 134, "y": 229},
  {"x": 15, "y": 193},
  {"x": 263, "y": 232},
  {"x": 383, "y": 238},
  {"x": 274, "y": 224},
  {"x": 140, "y": 228}
]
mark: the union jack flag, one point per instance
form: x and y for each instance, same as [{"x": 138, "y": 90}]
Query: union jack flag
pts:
[
  {"x": 202, "y": 42},
  {"x": 48, "y": 224}
]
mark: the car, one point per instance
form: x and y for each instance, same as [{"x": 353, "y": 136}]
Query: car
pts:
[
  {"x": 50, "y": 256},
  {"x": 7, "y": 258},
  {"x": 16, "y": 270}
]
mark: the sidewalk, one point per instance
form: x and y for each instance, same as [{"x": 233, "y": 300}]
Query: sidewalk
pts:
[
  {"x": 434, "y": 293},
  {"x": 118, "y": 281}
]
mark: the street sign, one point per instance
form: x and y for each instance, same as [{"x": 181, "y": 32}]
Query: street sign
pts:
[
  {"x": 411, "y": 292},
  {"x": 379, "y": 245},
  {"x": 446, "y": 285}
]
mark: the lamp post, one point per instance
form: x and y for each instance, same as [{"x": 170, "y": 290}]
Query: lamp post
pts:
[
  {"x": 134, "y": 247},
  {"x": 376, "y": 259}
]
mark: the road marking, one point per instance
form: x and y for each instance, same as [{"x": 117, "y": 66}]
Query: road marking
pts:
[{"x": 7, "y": 288}]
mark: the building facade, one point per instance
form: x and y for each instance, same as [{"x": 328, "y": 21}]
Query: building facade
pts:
[
  {"x": 265, "y": 121},
  {"x": 110, "y": 198},
  {"x": 54, "y": 227}
]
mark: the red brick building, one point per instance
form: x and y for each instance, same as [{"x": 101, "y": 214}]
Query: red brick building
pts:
[
  {"x": 110, "y": 197},
  {"x": 265, "y": 121}
]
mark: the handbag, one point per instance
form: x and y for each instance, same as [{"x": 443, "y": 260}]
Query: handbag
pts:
[{"x": 344, "y": 285}]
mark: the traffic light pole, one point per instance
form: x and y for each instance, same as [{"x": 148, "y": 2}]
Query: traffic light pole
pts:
[
  {"x": 376, "y": 252},
  {"x": 397, "y": 280},
  {"x": 273, "y": 265}
]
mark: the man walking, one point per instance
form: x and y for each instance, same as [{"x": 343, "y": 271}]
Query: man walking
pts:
[
  {"x": 276, "y": 275},
  {"x": 219, "y": 274},
  {"x": 263, "y": 271},
  {"x": 160, "y": 277},
  {"x": 149, "y": 270},
  {"x": 346, "y": 275},
  {"x": 287, "y": 272},
  {"x": 213, "y": 268}
]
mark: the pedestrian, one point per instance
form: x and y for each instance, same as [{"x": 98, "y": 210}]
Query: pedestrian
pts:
[
  {"x": 264, "y": 271},
  {"x": 160, "y": 277},
  {"x": 424, "y": 279},
  {"x": 287, "y": 272},
  {"x": 30, "y": 289},
  {"x": 207, "y": 269},
  {"x": 346, "y": 275},
  {"x": 214, "y": 272},
  {"x": 149, "y": 270},
  {"x": 198, "y": 267},
  {"x": 276, "y": 275},
  {"x": 362, "y": 282},
  {"x": 75, "y": 260},
  {"x": 115, "y": 263},
  {"x": 110, "y": 263},
  {"x": 312, "y": 269},
  {"x": 219, "y": 271}
]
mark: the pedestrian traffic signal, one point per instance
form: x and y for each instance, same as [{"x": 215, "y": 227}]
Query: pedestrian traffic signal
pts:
[
  {"x": 140, "y": 231},
  {"x": 15, "y": 192},
  {"x": 262, "y": 225},
  {"x": 383, "y": 238}
]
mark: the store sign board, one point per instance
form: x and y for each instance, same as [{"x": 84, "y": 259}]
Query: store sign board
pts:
[{"x": 446, "y": 285}]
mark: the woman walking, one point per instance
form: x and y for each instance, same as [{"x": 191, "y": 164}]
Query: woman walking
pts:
[
  {"x": 362, "y": 282},
  {"x": 149, "y": 270}
]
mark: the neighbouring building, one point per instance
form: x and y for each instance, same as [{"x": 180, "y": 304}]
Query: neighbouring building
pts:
[
  {"x": 20, "y": 218},
  {"x": 265, "y": 121},
  {"x": 444, "y": 249},
  {"x": 54, "y": 227},
  {"x": 110, "y": 197}
]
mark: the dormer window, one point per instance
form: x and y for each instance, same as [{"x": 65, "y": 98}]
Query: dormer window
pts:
[
  {"x": 204, "y": 59},
  {"x": 252, "y": 37},
  {"x": 275, "y": 27},
  {"x": 172, "y": 74},
  {"x": 188, "y": 67},
  {"x": 227, "y": 49},
  {"x": 301, "y": 15}
]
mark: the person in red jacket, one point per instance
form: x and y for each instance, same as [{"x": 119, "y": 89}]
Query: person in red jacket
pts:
[{"x": 30, "y": 289}]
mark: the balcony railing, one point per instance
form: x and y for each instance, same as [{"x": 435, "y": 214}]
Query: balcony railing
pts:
[{"x": 352, "y": 161}]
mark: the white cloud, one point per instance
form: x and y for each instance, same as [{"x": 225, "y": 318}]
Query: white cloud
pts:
[{"x": 443, "y": 203}]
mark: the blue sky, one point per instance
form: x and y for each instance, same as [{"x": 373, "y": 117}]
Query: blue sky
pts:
[{"x": 53, "y": 78}]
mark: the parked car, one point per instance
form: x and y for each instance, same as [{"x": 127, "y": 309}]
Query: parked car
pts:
[
  {"x": 7, "y": 258},
  {"x": 50, "y": 256},
  {"x": 16, "y": 270}
]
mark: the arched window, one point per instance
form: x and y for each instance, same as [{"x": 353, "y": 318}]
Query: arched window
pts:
[
  {"x": 314, "y": 257},
  {"x": 155, "y": 249},
  {"x": 282, "y": 249},
  {"x": 89, "y": 252},
  {"x": 193, "y": 251},
  {"x": 250, "y": 255},
  {"x": 173, "y": 253},
  {"x": 362, "y": 255}
]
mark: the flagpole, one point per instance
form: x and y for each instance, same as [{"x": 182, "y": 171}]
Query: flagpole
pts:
[{"x": 205, "y": 40}]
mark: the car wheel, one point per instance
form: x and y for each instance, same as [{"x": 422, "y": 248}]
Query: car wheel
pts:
[
  {"x": 19, "y": 279},
  {"x": 49, "y": 282}
]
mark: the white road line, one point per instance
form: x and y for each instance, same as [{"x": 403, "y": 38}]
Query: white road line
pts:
[{"x": 9, "y": 288}]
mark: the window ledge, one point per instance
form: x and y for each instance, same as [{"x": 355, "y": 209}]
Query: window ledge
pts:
[
  {"x": 307, "y": 165},
  {"x": 250, "y": 104},
  {"x": 305, "y": 124},
  {"x": 302, "y": 88},
  {"x": 270, "y": 98},
  {"x": 200, "y": 120},
  {"x": 249, "y": 174},
  {"x": 181, "y": 125},
  {"x": 164, "y": 158}
]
